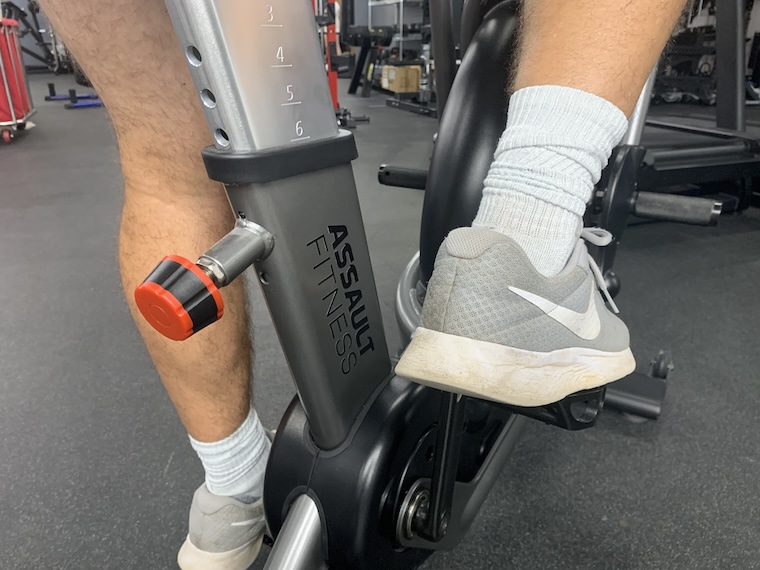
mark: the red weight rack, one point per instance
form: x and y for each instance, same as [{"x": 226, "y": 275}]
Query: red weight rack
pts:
[{"x": 15, "y": 104}]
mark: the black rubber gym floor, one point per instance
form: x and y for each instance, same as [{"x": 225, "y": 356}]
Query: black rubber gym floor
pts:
[{"x": 96, "y": 471}]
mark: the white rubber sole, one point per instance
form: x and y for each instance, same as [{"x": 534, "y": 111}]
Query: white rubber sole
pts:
[
  {"x": 190, "y": 557},
  {"x": 505, "y": 374}
]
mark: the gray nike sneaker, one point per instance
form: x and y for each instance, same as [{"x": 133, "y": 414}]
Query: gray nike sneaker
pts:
[
  {"x": 493, "y": 327},
  {"x": 225, "y": 534}
]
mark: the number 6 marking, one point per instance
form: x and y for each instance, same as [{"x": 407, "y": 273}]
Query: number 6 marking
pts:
[{"x": 299, "y": 129}]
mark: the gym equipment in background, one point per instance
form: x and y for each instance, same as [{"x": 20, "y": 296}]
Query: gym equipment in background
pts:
[
  {"x": 73, "y": 99},
  {"x": 72, "y": 94},
  {"x": 372, "y": 43},
  {"x": 51, "y": 52},
  {"x": 423, "y": 100},
  {"x": 15, "y": 102},
  {"x": 326, "y": 19},
  {"x": 688, "y": 72},
  {"x": 406, "y": 39}
]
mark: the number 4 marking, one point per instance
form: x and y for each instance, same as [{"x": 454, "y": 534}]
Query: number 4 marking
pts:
[{"x": 280, "y": 54}]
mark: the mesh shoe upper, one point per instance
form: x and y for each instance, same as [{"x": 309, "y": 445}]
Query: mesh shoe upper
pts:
[
  {"x": 469, "y": 295},
  {"x": 221, "y": 524}
]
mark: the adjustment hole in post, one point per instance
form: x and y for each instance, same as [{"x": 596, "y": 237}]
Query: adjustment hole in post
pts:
[
  {"x": 584, "y": 411},
  {"x": 264, "y": 278},
  {"x": 208, "y": 98},
  {"x": 194, "y": 56},
  {"x": 221, "y": 138}
]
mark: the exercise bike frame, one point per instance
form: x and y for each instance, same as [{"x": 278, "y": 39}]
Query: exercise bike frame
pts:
[{"x": 367, "y": 469}]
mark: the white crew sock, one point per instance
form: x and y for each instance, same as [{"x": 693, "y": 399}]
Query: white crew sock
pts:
[
  {"x": 235, "y": 466},
  {"x": 557, "y": 141}
]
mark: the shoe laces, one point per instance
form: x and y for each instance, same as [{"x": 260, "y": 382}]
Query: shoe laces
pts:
[{"x": 600, "y": 238}]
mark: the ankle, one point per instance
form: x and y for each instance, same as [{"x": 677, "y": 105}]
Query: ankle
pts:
[
  {"x": 551, "y": 155},
  {"x": 235, "y": 466},
  {"x": 547, "y": 244}
]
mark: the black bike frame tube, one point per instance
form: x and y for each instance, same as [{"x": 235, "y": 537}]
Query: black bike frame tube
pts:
[
  {"x": 320, "y": 290},
  {"x": 447, "y": 445},
  {"x": 729, "y": 64},
  {"x": 468, "y": 132},
  {"x": 473, "y": 13},
  {"x": 444, "y": 50}
]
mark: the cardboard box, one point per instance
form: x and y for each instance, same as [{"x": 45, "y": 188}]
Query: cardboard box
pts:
[{"x": 401, "y": 79}]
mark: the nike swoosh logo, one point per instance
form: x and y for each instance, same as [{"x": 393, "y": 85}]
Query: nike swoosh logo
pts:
[{"x": 585, "y": 325}]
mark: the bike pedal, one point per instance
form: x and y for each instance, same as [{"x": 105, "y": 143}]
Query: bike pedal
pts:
[{"x": 575, "y": 412}]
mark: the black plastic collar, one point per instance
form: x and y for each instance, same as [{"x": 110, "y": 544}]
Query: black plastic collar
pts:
[{"x": 279, "y": 162}]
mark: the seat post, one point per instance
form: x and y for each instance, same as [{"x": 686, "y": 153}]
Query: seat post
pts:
[{"x": 258, "y": 70}]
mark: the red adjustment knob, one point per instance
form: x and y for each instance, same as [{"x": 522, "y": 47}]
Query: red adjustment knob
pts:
[{"x": 178, "y": 299}]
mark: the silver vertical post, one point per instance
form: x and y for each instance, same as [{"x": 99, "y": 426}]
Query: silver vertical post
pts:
[
  {"x": 299, "y": 544},
  {"x": 639, "y": 116},
  {"x": 401, "y": 30},
  {"x": 258, "y": 68}
]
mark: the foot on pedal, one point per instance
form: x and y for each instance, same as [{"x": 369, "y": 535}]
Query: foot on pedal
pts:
[
  {"x": 493, "y": 327},
  {"x": 225, "y": 534}
]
